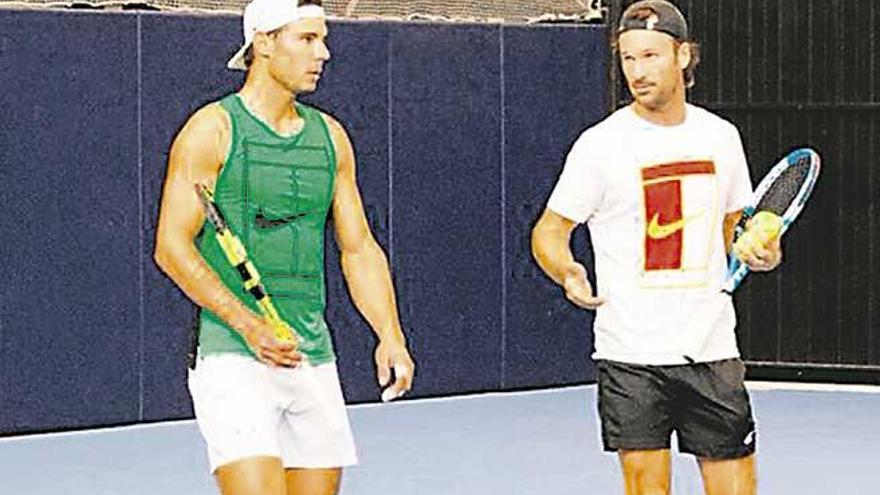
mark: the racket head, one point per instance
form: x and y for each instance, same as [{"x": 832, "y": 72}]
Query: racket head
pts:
[
  {"x": 783, "y": 191},
  {"x": 786, "y": 188}
]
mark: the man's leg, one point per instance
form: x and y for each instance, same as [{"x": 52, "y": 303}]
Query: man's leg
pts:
[
  {"x": 729, "y": 476},
  {"x": 313, "y": 481},
  {"x": 634, "y": 410},
  {"x": 646, "y": 472},
  {"x": 238, "y": 419},
  {"x": 316, "y": 439},
  {"x": 252, "y": 476},
  {"x": 715, "y": 424}
]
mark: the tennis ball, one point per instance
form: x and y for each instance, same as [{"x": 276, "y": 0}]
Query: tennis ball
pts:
[
  {"x": 746, "y": 245},
  {"x": 765, "y": 226}
]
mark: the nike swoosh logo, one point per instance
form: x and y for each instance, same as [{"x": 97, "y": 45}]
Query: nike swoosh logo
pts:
[
  {"x": 268, "y": 223},
  {"x": 657, "y": 231}
]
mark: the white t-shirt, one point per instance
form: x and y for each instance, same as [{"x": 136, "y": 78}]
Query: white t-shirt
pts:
[{"x": 654, "y": 198}]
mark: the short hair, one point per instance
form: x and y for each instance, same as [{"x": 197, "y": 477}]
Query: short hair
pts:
[
  {"x": 690, "y": 72},
  {"x": 249, "y": 53}
]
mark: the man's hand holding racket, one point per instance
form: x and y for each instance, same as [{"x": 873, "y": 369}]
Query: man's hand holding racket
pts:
[
  {"x": 776, "y": 203},
  {"x": 268, "y": 336},
  {"x": 759, "y": 246},
  {"x": 578, "y": 289},
  {"x": 260, "y": 335}
]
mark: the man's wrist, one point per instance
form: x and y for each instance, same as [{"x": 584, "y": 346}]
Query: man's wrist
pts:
[
  {"x": 392, "y": 335},
  {"x": 243, "y": 324},
  {"x": 572, "y": 269}
]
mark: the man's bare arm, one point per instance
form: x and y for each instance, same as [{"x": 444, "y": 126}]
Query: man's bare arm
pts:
[
  {"x": 551, "y": 239},
  {"x": 730, "y": 221},
  {"x": 196, "y": 156},
  {"x": 365, "y": 267}
]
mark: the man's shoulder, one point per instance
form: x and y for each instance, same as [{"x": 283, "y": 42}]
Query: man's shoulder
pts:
[
  {"x": 602, "y": 133},
  {"x": 617, "y": 121},
  {"x": 316, "y": 111},
  {"x": 222, "y": 104},
  {"x": 704, "y": 118},
  {"x": 204, "y": 126},
  {"x": 211, "y": 113},
  {"x": 311, "y": 110}
]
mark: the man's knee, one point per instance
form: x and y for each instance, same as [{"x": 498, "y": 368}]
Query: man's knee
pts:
[
  {"x": 729, "y": 476},
  {"x": 646, "y": 472}
]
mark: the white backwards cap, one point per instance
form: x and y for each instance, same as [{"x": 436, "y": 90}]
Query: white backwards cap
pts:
[{"x": 263, "y": 16}]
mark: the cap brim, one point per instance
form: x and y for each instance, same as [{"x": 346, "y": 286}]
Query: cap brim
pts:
[{"x": 237, "y": 60}]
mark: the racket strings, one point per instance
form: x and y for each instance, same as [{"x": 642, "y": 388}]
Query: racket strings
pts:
[{"x": 785, "y": 189}]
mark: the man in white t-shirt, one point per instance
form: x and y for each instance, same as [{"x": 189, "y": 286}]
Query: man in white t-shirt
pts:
[{"x": 661, "y": 185}]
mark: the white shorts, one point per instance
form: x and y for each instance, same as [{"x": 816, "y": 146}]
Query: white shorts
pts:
[{"x": 246, "y": 409}]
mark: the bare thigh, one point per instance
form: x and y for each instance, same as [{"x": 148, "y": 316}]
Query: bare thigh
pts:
[
  {"x": 313, "y": 481},
  {"x": 252, "y": 476}
]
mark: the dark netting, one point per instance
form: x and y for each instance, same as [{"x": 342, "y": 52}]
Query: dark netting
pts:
[{"x": 516, "y": 11}]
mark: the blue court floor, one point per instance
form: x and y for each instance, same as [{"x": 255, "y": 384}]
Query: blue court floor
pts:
[{"x": 811, "y": 442}]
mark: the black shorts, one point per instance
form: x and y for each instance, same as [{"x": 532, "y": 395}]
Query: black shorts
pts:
[{"x": 705, "y": 404}]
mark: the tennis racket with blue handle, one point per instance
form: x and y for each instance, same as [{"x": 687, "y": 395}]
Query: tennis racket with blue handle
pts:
[{"x": 783, "y": 191}]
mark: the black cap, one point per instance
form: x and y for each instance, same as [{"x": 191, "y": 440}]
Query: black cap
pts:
[{"x": 665, "y": 18}]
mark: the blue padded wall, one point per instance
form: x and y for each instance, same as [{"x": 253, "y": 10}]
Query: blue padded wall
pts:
[
  {"x": 459, "y": 131},
  {"x": 69, "y": 311},
  {"x": 550, "y": 79},
  {"x": 446, "y": 148}
]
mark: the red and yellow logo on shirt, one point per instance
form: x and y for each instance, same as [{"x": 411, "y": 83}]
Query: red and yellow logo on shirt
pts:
[{"x": 678, "y": 199}]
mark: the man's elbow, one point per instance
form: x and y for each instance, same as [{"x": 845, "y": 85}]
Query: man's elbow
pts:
[
  {"x": 539, "y": 234},
  {"x": 162, "y": 255},
  {"x": 350, "y": 252},
  {"x": 368, "y": 251}
]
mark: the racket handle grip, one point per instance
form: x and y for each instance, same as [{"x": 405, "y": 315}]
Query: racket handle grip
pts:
[
  {"x": 735, "y": 278},
  {"x": 283, "y": 331}
]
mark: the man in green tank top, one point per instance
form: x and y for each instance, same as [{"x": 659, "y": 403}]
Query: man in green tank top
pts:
[{"x": 271, "y": 410}]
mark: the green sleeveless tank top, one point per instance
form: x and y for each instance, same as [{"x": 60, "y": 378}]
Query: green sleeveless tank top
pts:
[{"x": 275, "y": 192}]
